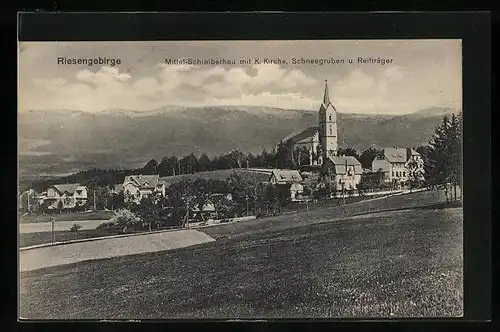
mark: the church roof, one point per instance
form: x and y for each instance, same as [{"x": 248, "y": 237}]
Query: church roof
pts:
[
  {"x": 299, "y": 136},
  {"x": 326, "y": 99}
]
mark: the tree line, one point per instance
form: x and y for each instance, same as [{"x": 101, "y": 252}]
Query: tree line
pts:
[
  {"x": 234, "y": 197},
  {"x": 173, "y": 165}
]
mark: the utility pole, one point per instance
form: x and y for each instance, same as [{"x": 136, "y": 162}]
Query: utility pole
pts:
[
  {"x": 187, "y": 216},
  {"x": 343, "y": 193},
  {"x": 53, "y": 229},
  {"x": 28, "y": 192},
  {"x": 94, "y": 202},
  {"x": 246, "y": 197}
]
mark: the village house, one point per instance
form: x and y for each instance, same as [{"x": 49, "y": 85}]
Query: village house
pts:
[
  {"x": 135, "y": 187},
  {"x": 285, "y": 176},
  {"x": 288, "y": 177},
  {"x": 344, "y": 172},
  {"x": 399, "y": 165},
  {"x": 208, "y": 212},
  {"x": 66, "y": 196}
]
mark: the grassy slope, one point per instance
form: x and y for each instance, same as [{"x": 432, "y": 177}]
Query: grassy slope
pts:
[{"x": 401, "y": 264}]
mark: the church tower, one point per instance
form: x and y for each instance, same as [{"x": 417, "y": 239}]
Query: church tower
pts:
[{"x": 328, "y": 126}]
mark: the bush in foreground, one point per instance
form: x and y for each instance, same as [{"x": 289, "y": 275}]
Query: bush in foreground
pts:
[
  {"x": 75, "y": 227},
  {"x": 125, "y": 218}
]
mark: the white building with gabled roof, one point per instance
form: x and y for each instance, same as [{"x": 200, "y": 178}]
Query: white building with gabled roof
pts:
[
  {"x": 343, "y": 172},
  {"x": 66, "y": 196},
  {"x": 135, "y": 187},
  {"x": 399, "y": 164}
]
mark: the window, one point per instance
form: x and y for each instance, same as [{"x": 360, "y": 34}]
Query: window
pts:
[
  {"x": 404, "y": 173},
  {"x": 330, "y": 118},
  {"x": 392, "y": 173},
  {"x": 331, "y": 132}
]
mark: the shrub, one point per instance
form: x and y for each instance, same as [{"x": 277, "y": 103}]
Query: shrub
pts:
[
  {"x": 75, "y": 227},
  {"x": 125, "y": 219}
]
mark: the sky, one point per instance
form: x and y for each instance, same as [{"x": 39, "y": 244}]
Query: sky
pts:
[{"x": 421, "y": 74}]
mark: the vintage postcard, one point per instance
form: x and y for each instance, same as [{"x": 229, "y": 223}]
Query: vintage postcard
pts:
[{"x": 240, "y": 179}]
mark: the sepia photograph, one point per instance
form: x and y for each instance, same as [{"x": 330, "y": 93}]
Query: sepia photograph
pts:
[{"x": 258, "y": 179}]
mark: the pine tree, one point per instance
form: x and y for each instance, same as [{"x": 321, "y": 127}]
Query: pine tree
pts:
[
  {"x": 455, "y": 150},
  {"x": 443, "y": 157}
]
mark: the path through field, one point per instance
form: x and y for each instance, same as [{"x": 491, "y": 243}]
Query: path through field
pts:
[
  {"x": 33, "y": 259},
  {"x": 38, "y": 227}
]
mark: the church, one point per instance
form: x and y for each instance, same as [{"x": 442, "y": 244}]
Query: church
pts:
[{"x": 321, "y": 144}]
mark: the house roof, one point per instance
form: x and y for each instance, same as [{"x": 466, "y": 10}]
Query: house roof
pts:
[
  {"x": 340, "y": 163},
  {"x": 395, "y": 155},
  {"x": 299, "y": 136},
  {"x": 254, "y": 175},
  {"x": 70, "y": 188},
  {"x": 287, "y": 175},
  {"x": 144, "y": 181},
  {"x": 413, "y": 152},
  {"x": 399, "y": 155},
  {"x": 381, "y": 165},
  {"x": 207, "y": 207}
]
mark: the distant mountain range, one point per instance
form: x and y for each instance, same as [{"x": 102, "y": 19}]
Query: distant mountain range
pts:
[{"x": 64, "y": 141}]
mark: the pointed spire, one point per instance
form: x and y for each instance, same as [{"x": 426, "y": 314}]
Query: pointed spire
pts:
[{"x": 326, "y": 98}]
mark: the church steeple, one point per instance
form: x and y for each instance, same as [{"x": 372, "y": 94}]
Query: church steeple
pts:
[
  {"x": 326, "y": 97},
  {"x": 328, "y": 126}
]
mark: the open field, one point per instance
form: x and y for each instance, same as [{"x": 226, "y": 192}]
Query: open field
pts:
[
  {"x": 66, "y": 216},
  {"x": 390, "y": 264}
]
